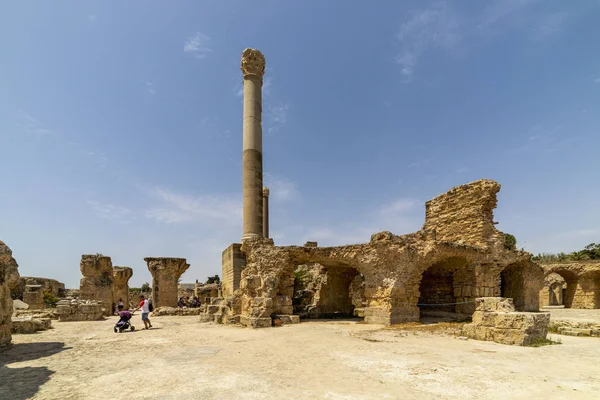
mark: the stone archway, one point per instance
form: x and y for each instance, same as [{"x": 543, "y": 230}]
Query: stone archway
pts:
[
  {"x": 512, "y": 284},
  {"x": 332, "y": 291},
  {"x": 559, "y": 288},
  {"x": 446, "y": 290}
]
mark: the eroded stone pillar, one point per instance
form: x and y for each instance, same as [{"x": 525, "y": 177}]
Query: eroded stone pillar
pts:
[
  {"x": 265, "y": 193},
  {"x": 121, "y": 276},
  {"x": 253, "y": 70},
  {"x": 97, "y": 281},
  {"x": 165, "y": 273},
  {"x": 9, "y": 279}
]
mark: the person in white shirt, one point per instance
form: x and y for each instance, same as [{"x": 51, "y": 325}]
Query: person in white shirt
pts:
[{"x": 145, "y": 311}]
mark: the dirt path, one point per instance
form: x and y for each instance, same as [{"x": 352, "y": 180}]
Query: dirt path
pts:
[{"x": 183, "y": 359}]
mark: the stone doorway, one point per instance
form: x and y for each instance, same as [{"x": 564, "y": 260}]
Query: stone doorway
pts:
[
  {"x": 328, "y": 292},
  {"x": 512, "y": 284},
  {"x": 446, "y": 291}
]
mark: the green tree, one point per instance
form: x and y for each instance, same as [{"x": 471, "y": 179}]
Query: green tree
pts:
[
  {"x": 510, "y": 242},
  {"x": 145, "y": 287},
  {"x": 213, "y": 279}
]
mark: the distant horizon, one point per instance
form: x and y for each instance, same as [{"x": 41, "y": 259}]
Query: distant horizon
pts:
[{"x": 121, "y": 125}]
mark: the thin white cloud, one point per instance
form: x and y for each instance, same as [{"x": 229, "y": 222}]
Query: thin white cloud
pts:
[
  {"x": 149, "y": 86},
  {"x": 276, "y": 117},
  {"x": 550, "y": 24},
  {"x": 180, "y": 208},
  {"x": 498, "y": 11},
  {"x": 281, "y": 189},
  {"x": 597, "y": 80},
  {"x": 32, "y": 126},
  {"x": 198, "y": 45},
  {"x": 420, "y": 163},
  {"x": 434, "y": 27},
  {"x": 109, "y": 211}
]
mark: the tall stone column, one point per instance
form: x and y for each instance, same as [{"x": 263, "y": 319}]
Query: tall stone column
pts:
[
  {"x": 121, "y": 276},
  {"x": 165, "y": 271},
  {"x": 97, "y": 281},
  {"x": 253, "y": 70},
  {"x": 265, "y": 209}
]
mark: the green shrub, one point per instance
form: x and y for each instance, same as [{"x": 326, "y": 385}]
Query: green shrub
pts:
[
  {"x": 510, "y": 242},
  {"x": 49, "y": 299}
]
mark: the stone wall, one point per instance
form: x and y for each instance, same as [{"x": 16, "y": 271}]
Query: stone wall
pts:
[
  {"x": 233, "y": 262},
  {"x": 97, "y": 281},
  {"x": 495, "y": 320},
  {"x": 9, "y": 279},
  {"x": 581, "y": 284},
  {"x": 165, "y": 273},
  {"x": 79, "y": 310},
  {"x": 56, "y": 288},
  {"x": 464, "y": 214},
  {"x": 206, "y": 291}
]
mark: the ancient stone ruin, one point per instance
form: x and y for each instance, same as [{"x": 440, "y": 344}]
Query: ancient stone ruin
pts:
[
  {"x": 34, "y": 297},
  {"x": 9, "y": 279},
  {"x": 495, "y": 320},
  {"x": 457, "y": 257},
  {"x": 121, "y": 276},
  {"x": 165, "y": 273},
  {"x": 571, "y": 285},
  {"x": 97, "y": 281},
  {"x": 80, "y": 310},
  {"x": 52, "y": 286}
]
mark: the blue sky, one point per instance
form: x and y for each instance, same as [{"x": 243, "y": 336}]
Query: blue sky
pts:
[{"x": 120, "y": 123}]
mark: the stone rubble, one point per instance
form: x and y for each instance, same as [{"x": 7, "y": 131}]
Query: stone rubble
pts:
[
  {"x": 26, "y": 325},
  {"x": 80, "y": 310}
]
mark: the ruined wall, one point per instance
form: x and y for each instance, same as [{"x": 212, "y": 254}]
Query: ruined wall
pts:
[
  {"x": 97, "y": 281},
  {"x": 56, "y": 288},
  {"x": 465, "y": 214},
  {"x": 206, "y": 291},
  {"x": 582, "y": 281},
  {"x": 79, "y": 310},
  {"x": 165, "y": 273},
  {"x": 121, "y": 276},
  {"x": 9, "y": 278},
  {"x": 233, "y": 262}
]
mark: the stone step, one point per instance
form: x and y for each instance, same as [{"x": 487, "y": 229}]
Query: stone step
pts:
[{"x": 576, "y": 332}]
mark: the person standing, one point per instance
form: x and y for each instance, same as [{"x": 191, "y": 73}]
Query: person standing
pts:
[{"x": 144, "y": 305}]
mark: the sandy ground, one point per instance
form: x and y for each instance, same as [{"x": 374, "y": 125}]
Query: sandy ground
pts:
[
  {"x": 574, "y": 314},
  {"x": 183, "y": 359}
]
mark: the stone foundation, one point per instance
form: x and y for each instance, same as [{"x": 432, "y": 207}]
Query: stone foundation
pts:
[
  {"x": 30, "y": 324},
  {"x": 233, "y": 262},
  {"x": 9, "y": 280},
  {"x": 161, "y": 311},
  {"x": 79, "y": 310},
  {"x": 495, "y": 320}
]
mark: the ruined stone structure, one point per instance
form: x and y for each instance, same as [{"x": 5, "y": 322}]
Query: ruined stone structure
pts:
[
  {"x": 403, "y": 275},
  {"x": 205, "y": 292},
  {"x": 80, "y": 310},
  {"x": 30, "y": 324},
  {"x": 165, "y": 273},
  {"x": 572, "y": 284},
  {"x": 233, "y": 262},
  {"x": 97, "y": 281},
  {"x": 121, "y": 276},
  {"x": 34, "y": 297},
  {"x": 253, "y": 70},
  {"x": 9, "y": 279},
  {"x": 54, "y": 287},
  {"x": 495, "y": 320}
]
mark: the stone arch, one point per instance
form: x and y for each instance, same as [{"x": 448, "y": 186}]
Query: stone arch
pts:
[
  {"x": 567, "y": 294},
  {"x": 521, "y": 281},
  {"x": 446, "y": 287}
]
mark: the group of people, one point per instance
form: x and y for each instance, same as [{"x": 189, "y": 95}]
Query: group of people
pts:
[
  {"x": 194, "y": 303},
  {"x": 145, "y": 305}
]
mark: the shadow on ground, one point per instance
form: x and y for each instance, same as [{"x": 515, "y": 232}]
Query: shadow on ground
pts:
[{"x": 24, "y": 383}]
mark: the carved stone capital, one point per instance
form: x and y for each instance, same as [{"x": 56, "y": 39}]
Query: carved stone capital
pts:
[
  {"x": 253, "y": 63},
  {"x": 266, "y": 191}
]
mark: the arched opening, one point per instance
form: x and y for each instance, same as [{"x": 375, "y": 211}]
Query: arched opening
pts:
[
  {"x": 563, "y": 282},
  {"x": 333, "y": 291},
  {"x": 512, "y": 284},
  {"x": 446, "y": 291}
]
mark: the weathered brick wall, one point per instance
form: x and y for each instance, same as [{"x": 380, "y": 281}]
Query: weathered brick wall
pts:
[
  {"x": 465, "y": 214},
  {"x": 233, "y": 262}
]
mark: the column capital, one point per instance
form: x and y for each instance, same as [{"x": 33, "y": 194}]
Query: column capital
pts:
[
  {"x": 253, "y": 63},
  {"x": 266, "y": 192}
]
